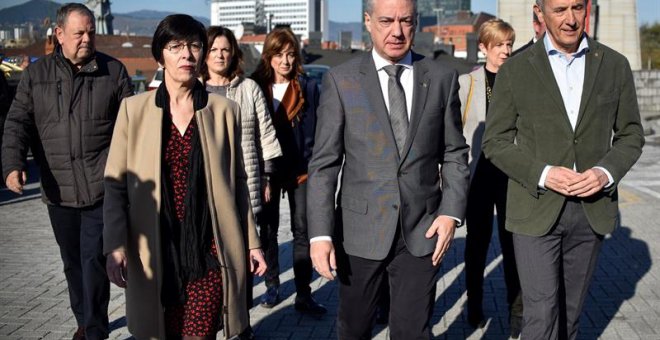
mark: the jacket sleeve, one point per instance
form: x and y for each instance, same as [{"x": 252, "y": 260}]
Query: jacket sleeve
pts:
[
  {"x": 628, "y": 137},
  {"x": 115, "y": 202},
  {"x": 455, "y": 172},
  {"x": 242, "y": 191},
  {"x": 19, "y": 128},
  {"x": 125, "y": 84},
  {"x": 326, "y": 161},
  {"x": 309, "y": 123},
  {"x": 499, "y": 146},
  {"x": 266, "y": 142}
]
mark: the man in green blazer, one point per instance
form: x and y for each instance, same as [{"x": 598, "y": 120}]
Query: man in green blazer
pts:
[{"x": 565, "y": 127}]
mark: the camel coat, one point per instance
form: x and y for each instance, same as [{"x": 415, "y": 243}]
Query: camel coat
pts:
[{"x": 132, "y": 208}]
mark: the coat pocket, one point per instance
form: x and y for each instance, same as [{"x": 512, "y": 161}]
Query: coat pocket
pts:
[{"x": 355, "y": 205}]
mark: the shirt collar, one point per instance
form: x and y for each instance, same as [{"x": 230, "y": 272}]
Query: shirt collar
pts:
[
  {"x": 550, "y": 49},
  {"x": 381, "y": 62}
]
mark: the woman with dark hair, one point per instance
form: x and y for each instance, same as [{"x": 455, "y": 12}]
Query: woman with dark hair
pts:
[
  {"x": 179, "y": 233},
  {"x": 292, "y": 100},
  {"x": 223, "y": 74}
]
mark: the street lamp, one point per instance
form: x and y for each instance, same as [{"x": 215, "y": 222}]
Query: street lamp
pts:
[{"x": 439, "y": 11}]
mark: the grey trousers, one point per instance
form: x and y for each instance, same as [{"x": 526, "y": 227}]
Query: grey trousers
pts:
[{"x": 555, "y": 270}]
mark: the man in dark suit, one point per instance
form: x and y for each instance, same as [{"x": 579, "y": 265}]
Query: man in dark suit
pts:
[
  {"x": 387, "y": 121},
  {"x": 539, "y": 30},
  {"x": 565, "y": 127}
]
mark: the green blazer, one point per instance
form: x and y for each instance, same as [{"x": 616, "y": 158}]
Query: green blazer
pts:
[{"x": 528, "y": 128}]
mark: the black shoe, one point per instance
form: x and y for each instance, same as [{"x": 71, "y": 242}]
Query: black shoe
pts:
[
  {"x": 79, "y": 334},
  {"x": 515, "y": 326},
  {"x": 306, "y": 304},
  {"x": 247, "y": 334},
  {"x": 271, "y": 297}
]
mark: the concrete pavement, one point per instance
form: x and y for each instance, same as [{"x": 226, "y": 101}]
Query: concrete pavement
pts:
[{"x": 623, "y": 301}]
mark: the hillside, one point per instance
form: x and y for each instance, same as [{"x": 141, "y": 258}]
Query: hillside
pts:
[
  {"x": 142, "y": 23},
  {"x": 33, "y": 11}
]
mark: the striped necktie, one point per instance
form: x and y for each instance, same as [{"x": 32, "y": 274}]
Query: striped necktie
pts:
[{"x": 398, "y": 110}]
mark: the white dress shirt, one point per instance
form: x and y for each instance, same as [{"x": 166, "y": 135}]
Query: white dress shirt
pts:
[
  {"x": 406, "y": 78},
  {"x": 569, "y": 70}
]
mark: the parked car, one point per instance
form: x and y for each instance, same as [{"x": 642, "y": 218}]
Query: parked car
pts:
[
  {"x": 316, "y": 72},
  {"x": 155, "y": 82}
]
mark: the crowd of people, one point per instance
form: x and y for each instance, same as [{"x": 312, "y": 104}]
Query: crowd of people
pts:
[{"x": 174, "y": 194}]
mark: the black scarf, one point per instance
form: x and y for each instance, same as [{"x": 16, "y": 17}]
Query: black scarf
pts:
[{"x": 185, "y": 246}]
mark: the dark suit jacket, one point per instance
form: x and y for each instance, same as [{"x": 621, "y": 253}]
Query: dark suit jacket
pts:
[
  {"x": 377, "y": 186},
  {"x": 528, "y": 128}
]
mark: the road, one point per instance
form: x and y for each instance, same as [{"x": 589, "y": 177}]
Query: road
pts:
[{"x": 623, "y": 301}]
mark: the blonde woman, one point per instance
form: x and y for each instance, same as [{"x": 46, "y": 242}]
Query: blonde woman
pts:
[{"x": 488, "y": 184}]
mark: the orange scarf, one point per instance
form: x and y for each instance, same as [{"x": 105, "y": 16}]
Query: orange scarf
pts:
[{"x": 291, "y": 103}]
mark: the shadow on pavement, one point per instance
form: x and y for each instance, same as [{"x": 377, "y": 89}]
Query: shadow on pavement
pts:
[{"x": 622, "y": 263}]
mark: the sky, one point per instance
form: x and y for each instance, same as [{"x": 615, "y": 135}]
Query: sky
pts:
[{"x": 340, "y": 10}]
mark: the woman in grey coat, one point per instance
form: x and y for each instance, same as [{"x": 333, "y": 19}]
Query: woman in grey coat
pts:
[{"x": 223, "y": 74}]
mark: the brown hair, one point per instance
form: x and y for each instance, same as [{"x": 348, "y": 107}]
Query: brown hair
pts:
[
  {"x": 235, "y": 67},
  {"x": 276, "y": 41},
  {"x": 494, "y": 31}
]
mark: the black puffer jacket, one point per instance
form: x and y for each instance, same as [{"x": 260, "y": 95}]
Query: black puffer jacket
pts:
[{"x": 67, "y": 119}]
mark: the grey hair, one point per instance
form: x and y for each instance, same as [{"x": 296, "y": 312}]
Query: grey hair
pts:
[
  {"x": 370, "y": 7},
  {"x": 66, "y": 9},
  {"x": 540, "y": 3}
]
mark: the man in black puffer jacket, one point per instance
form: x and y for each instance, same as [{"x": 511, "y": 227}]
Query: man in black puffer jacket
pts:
[{"x": 65, "y": 109}]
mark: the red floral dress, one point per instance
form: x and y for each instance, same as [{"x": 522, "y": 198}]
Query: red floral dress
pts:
[{"x": 201, "y": 313}]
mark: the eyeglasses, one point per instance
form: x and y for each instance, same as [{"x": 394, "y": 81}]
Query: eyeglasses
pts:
[{"x": 175, "y": 48}]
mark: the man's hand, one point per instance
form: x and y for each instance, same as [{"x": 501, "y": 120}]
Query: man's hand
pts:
[
  {"x": 444, "y": 227},
  {"x": 588, "y": 183},
  {"x": 15, "y": 181},
  {"x": 559, "y": 179},
  {"x": 323, "y": 258},
  {"x": 257, "y": 262},
  {"x": 115, "y": 266}
]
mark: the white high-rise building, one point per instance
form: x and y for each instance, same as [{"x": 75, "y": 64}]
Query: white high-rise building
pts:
[
  {"x": 232, "y": 13},
  {"x": 303, "y": 16}
]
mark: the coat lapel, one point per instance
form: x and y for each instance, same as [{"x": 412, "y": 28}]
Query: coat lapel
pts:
[
  {"x": 420, "y": 90},
  {"x": 594, "y": 57},
  {"x": 479, "y": 94},
  {"x": 541, "y": 64},
  {"x": 371, "y": 85}
]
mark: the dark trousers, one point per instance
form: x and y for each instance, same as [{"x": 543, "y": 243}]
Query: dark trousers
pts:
[
  {"x": 411, "y": 290},
  {"x": 269, "y": 223},
  {"x": 555, "y": 271},
  {"x": 79, "y": 234},
  {"x": 488, "y": 189}
]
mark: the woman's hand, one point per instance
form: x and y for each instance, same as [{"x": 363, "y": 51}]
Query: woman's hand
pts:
[
  {"x": 266, "y": 186},
  {"x": 115, "y": 266},
  {"x": 257, "y": 262}
]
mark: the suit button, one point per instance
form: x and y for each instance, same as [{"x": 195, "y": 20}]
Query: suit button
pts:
[
  {"x": 575, "y": 141},
  {"x": 395, "y": 206}
]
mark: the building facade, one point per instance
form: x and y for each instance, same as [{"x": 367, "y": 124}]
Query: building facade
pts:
[
  {"x": 446, "y": 8},
  {"x": 303, "y": 16}
]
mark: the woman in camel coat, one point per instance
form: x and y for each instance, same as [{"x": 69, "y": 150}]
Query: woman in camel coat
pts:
[{"x": 155, "y": 221}]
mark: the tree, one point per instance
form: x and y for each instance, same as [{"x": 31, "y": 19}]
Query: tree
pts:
[{"x": 649, "y": 36}]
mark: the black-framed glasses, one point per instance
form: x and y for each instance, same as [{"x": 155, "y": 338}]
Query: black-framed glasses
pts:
[{"x": 175, "y": 48}]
